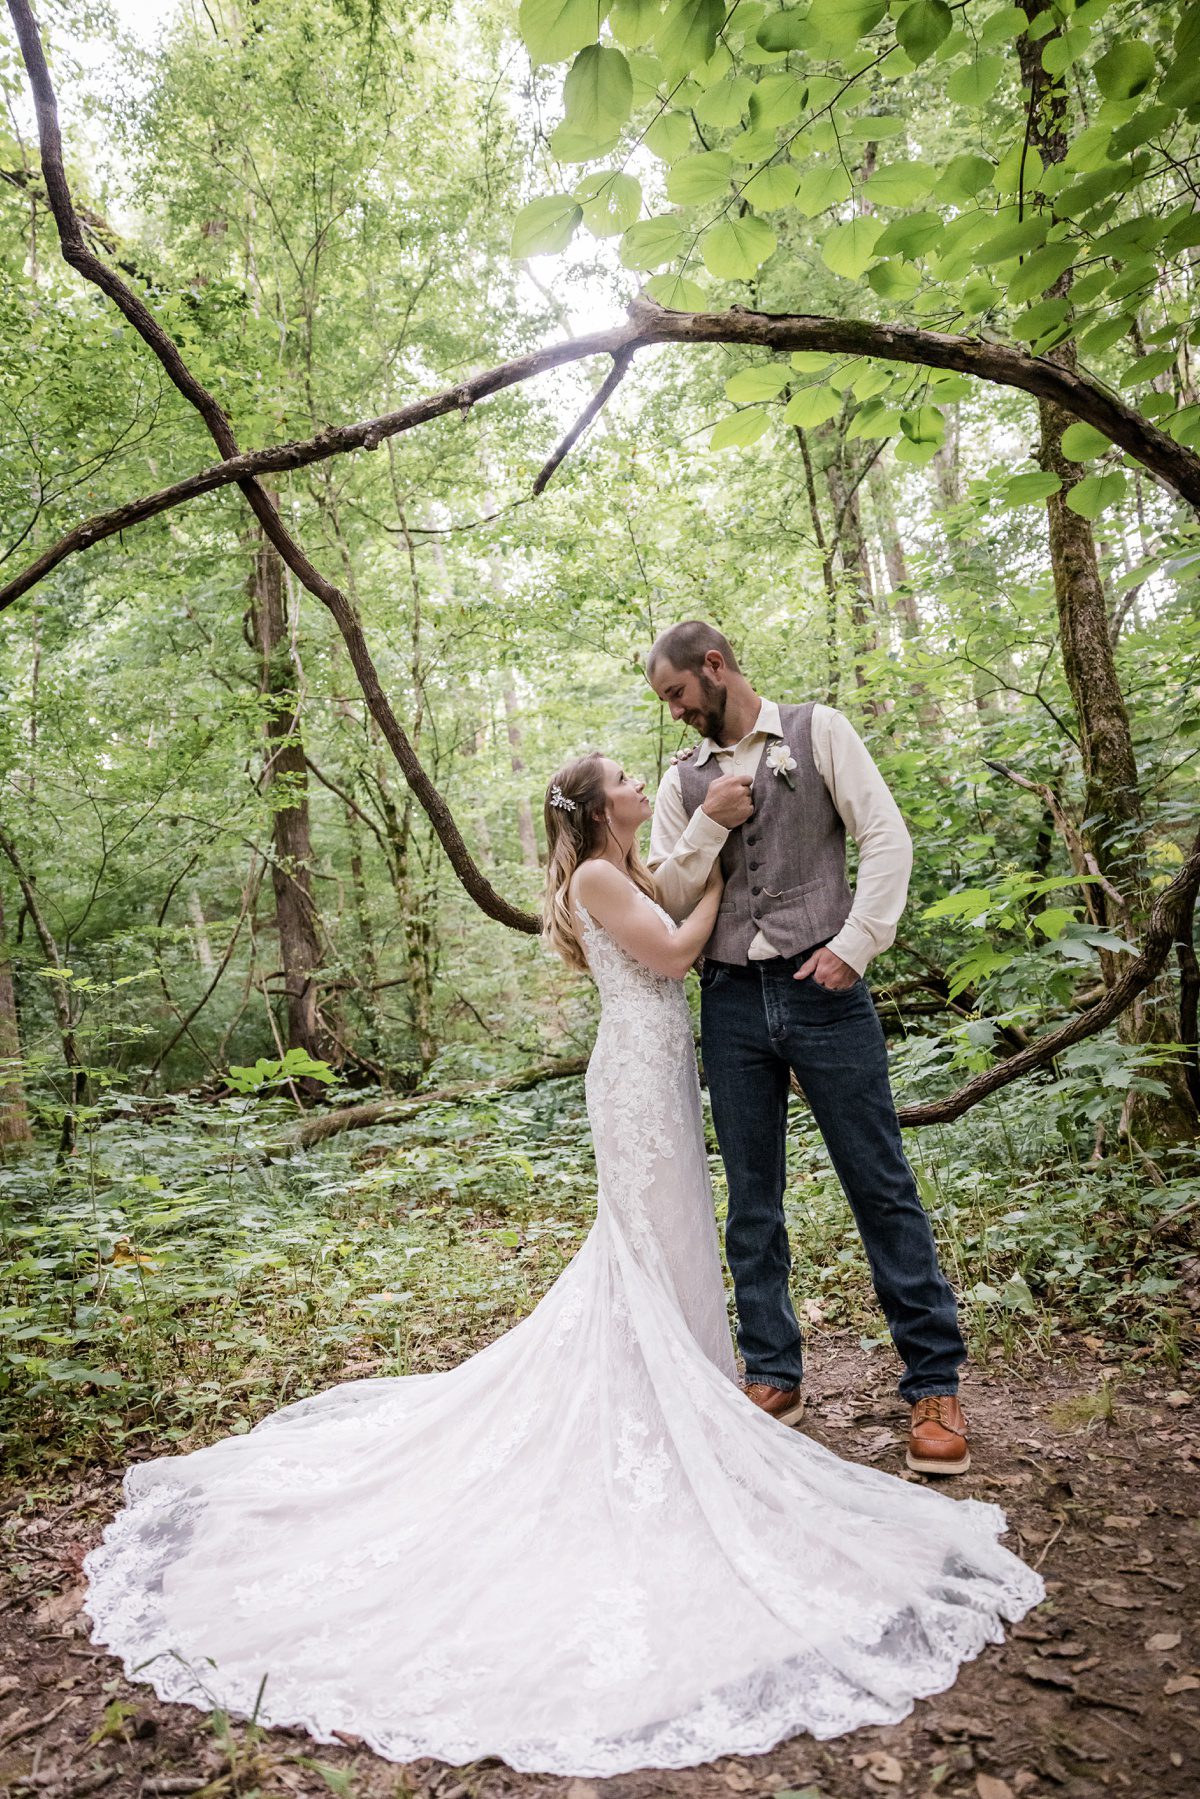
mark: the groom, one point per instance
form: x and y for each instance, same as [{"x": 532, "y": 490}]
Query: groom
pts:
[{"x": 771, "y": 791}]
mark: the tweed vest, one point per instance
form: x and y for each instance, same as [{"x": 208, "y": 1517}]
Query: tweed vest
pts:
[{"x": 785, "y": 868}]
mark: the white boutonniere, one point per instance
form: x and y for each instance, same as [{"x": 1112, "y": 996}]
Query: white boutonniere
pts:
[{"x": 781, "y": 761}]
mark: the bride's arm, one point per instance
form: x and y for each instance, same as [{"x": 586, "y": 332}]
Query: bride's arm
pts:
[{"x": 615, "y": 903}]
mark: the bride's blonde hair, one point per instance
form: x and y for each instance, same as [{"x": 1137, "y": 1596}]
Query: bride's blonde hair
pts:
[{"x": 575, "y": 830}]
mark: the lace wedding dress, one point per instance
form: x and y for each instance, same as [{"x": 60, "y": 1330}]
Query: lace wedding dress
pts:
[{"x": 583, "y": 1550}]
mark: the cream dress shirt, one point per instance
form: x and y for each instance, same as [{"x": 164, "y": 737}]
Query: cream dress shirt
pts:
[{"x": 683, "y": 850}]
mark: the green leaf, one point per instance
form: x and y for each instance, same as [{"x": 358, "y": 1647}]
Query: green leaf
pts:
[
  {"x": 734, "y": 248},
  {"x": 761, "y": 381},
  {"x": 611, "y": 203},
  {"x": 1082, "y": 442},
  {"x": 779, "y": 99},
  {"x": 598, "y": 91},
  {"x": 1125, "y": 70},
  {"x": 724, "y": 103},
  {"x": 812, "y": 406},
  {"x": 677, "y": 294},
  {"x": 572, "y": 145},
  {"x": 904, "y": 450},
  {"x": 1029, "y": 489},
  {"x": 822, "y": 188},
  {"x": 697, "y": 179},
  {"x": 894, "y": 280},
  {"x": 910, "y": 236},
  {"x": 976, "y": 82},
  {"x": 1067, "y": 48},
  {"x": 978, "y": 295},
  {"x": 669, "y": 136},
  {"x": 1053, "y": 921},
  {"x": 1040, "y": 271},
  {"x": 848, "y": 249},
  {"x": 791, "y": 29},
  {"x": 1091, "y": 496},
  {"x": 899, "y": 183},
  {"x": 962, "y": 178},
  {"x": 545, "y": 226},
  {"x": 634, "y": 22},
  {"x": 1013, "y": 239},
  {"x": 688, "y": 35},
  {"x": 555, "y": 29},
  {"x": 925, "y": 425},
  {"x": 923, "y": 27},
  {"x": 1002, "y": 26},
  {"x": 739, "y": 429},
  {"x": 1044, "y": 317},
  {"x": 651, "y": 242},
  {"x": 810, "y": 362},
  {"x": 771, "y": 188},
  {"x": 874, "y": 420},
  {"x": 1147, "y": 367},
  {"x": 1103, "y": 336},
  {"x": 843, "y": 22}
]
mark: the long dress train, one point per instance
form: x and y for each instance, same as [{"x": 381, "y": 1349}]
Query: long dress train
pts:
[{"x": 582, "y": 1550}]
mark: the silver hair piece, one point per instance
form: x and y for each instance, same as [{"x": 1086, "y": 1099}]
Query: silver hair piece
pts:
[{"x": 558, "y": 798}]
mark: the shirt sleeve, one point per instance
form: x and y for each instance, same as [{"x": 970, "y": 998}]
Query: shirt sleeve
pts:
[
  {"x": 682, "y": 849},
  {"x": 872, "y": 817}
]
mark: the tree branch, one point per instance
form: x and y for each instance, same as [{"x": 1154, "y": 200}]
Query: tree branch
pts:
[
  {"x": 595, "y": 405},
  {"x": 1173, "y": 906}
]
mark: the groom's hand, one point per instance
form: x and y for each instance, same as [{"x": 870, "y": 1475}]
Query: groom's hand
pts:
[
  {"x": 728, "y": 801},
  {"x": 827, "y": 970}
]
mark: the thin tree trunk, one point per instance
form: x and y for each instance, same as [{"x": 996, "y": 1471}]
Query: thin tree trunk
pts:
[
  {"x": 525, "y": 830},
  {"x": 14, "y": 1113},
  {"x": 1114, "y": 829},
  {"x": 287, "y": 783}
]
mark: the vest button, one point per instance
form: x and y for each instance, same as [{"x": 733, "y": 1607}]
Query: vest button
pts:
[
  {"x": 754, "y": 865},
  {"x": 753, "y": 838},
  {"x": 756, "y": 891}
]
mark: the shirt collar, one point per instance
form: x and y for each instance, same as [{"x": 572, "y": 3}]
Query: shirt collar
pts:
[{"x": 767, "y": 724}]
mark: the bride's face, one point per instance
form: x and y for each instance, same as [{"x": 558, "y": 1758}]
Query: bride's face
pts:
[{"x": 625, "y": 799}]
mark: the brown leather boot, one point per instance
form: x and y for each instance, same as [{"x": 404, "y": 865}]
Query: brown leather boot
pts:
[
  {"x": 937, "y": 1438},
  {"x": 787, "y": 1405}
]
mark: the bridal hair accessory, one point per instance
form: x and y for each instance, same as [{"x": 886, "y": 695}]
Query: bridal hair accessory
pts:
[
  {"x": 781, "y": 761},
  {"x": 558, "y": 798}
]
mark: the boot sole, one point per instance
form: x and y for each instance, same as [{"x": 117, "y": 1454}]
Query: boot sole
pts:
[
  {"x": 923, "y": 1465},
  {"x": 793, "y": 1414}
]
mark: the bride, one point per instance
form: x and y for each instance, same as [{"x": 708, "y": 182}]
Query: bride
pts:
[{"x": 583, "y": 1550}]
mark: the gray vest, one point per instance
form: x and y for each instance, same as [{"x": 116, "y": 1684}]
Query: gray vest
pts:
[{"x": 785, "y": 868}]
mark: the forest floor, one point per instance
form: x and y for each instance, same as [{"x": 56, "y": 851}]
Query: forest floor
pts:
[{"x": 1098, "y": 1691}]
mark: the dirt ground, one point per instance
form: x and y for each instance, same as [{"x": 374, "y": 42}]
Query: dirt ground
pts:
[{"x": 1098, "y": 1691}]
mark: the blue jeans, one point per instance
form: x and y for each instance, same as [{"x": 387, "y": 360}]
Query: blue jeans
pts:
[{"x": 757, "y": 1025}]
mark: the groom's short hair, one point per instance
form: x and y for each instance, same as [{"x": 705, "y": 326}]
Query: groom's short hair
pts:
[{"x": 685, "y": 647}]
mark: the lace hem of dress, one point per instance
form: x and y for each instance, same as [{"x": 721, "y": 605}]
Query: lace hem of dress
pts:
[{"x": 748, "y": 1717}]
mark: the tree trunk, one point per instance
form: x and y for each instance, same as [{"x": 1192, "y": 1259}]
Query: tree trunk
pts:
[
  {"x": 286, "y": 782},
  {"x": 848, "y": 535},
  {"x": 1114, "y": 826},
  {"x": 14, "y": 1113}
]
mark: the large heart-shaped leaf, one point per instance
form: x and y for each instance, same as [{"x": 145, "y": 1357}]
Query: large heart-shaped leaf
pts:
[
  {"x": 735, "y": 248},
  {"x": 554, "y": 29},
  {"x": 739, "y": 429},
  {"x": 688, "y": 35},
  {"x": 697, "y": 179},
  {"x": 545, "y": 226},
  {"x": 848, "y": 249},
  {"x": 651, "y": 242},
  {"x": 598, "y": 91}
]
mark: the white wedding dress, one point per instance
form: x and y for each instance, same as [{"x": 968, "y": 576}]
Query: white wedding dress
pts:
[{"x": 583, "y": 1550}]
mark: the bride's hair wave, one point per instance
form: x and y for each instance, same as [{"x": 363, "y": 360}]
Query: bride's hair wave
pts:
[{"x": 573, "y": 833}]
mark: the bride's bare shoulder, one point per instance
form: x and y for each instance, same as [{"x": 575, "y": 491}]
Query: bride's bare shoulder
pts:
[{"x": 597, "y": 879}]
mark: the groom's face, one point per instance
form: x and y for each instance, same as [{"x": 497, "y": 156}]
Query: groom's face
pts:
[{"x": 693, "y": 696}]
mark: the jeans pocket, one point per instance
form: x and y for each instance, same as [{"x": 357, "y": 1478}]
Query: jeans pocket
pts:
[{"x": 710, "y": 974}]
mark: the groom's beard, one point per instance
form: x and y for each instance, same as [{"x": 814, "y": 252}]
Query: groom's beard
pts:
[{"x": 709, "y": 719}]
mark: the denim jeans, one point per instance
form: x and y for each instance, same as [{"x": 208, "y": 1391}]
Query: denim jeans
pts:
[{"x": 757, "y": 1025}]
